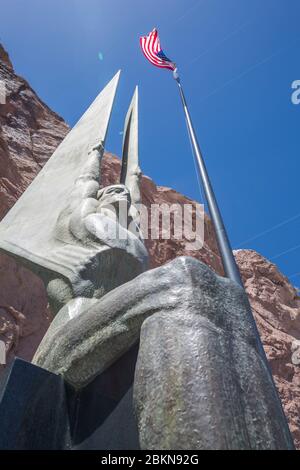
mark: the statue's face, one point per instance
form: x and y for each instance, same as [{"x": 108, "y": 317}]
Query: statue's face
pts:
[{"x": 113, "y": 195}]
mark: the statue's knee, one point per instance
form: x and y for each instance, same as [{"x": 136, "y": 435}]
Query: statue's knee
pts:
[{"x": 186, "y": 269}]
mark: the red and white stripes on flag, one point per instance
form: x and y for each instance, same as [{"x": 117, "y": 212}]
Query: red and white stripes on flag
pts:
[{"x": 152, "y": 51}]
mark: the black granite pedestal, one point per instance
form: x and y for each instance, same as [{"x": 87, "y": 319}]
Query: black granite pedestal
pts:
[{"x": 38, "y": 410}]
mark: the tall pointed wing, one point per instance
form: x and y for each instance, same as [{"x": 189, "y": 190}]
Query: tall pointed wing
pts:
[
  {"x": 28, "y": 230},
  {"x": 131, "y": 173}
]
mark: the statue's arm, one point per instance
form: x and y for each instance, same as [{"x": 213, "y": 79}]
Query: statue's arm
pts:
[{"x": 84, "y": 346}]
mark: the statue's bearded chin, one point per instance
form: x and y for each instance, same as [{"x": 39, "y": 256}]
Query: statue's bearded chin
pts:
[{"x": 118, "y": 205}]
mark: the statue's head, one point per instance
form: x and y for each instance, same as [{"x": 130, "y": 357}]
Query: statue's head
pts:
[{"x": 114, "y": 195}]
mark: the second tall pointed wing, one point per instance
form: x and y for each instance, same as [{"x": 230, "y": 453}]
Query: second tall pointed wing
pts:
[{"x": 131, "y": 173}]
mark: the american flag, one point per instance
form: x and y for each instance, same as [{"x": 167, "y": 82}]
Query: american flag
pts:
[{"x": 152, "y": 51}]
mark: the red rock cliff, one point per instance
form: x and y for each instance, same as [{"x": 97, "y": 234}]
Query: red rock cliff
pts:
[{"x": 29, "y": 133}]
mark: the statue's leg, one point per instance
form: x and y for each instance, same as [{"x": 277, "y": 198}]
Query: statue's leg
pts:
[{"x": 201, "y": 381}]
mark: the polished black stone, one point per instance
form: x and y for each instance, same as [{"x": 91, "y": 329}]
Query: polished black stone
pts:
[
  {"x": 38, "y": 410},
  {"x": 33, "y": 409}
]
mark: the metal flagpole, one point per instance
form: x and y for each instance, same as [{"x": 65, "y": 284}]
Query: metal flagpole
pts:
[
  {"x": 151, "y": 48},
  {"x": 229, "y": 264}
]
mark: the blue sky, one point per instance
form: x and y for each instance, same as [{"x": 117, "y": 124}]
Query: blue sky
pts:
[{"x": 237, "y": 61}]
